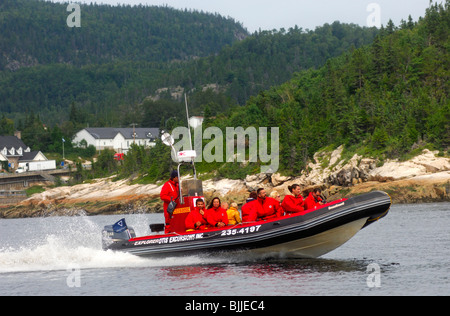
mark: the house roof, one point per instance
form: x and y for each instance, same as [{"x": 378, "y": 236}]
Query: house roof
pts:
[
  {"x": 11, "y": 142},
  {"x": 30, "y": 156},
  {"x": 111, "y": 133}
]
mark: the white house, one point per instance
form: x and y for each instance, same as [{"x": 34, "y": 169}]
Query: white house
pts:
[
  {"x": 14, "y": 151},
  {"x": 117, "y": 139}
]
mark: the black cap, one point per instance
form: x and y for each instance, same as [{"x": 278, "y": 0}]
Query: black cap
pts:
[{"x": 173, "y": 174}]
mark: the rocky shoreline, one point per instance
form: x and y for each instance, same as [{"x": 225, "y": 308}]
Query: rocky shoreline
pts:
[{"x": 425, "y": 178}]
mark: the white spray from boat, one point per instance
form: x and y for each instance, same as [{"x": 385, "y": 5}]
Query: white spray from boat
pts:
[{"x": 58, "y": 243}]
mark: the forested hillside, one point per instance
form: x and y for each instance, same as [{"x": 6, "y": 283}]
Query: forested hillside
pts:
[
  {"x": 118, "y": 56},
  {"x": 381, "y": 100},
  {"x": 384, "y": 100},
  {"x": 35, "y": 32},
  {"x": 381, "y": 93},
  {"x": 269, "y": 58},
  {"x": 108, "y": 67}
]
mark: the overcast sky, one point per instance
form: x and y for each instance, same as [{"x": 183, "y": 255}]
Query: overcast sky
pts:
[{"x": 276, "y": 14}]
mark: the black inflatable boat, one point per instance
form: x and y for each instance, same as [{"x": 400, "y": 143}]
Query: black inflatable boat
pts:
[{"x": 309, "y": 235}]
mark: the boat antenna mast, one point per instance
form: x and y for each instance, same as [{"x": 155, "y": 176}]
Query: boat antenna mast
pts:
[
  {"x": 190, "y": 136},
  {"x": 185, "y": 156}
]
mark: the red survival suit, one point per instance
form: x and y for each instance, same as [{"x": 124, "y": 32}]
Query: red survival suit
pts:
[
  {"x": 311, "y": 202},
  {"x": 169, "y": 192},
  {"x": 292, "y": 204},
  {"x": 216, "y": 215},
  {"x": 261, "y": 209},
  {"x": 247, "y": 210},
  {"x": 195, "y": 217}
]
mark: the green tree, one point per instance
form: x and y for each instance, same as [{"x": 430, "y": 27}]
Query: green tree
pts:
[
  {"x": 105, "y": 165},
  {"x": 6, "y": 126}
]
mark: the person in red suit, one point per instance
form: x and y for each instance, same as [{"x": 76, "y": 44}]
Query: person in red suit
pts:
[
  {"x": 314, "y": 200},
  {"x": 215, "y": 215},
  {"x": 267, "y": 207},
  {"x": 170, "y": 191},
  {"x": 293, "y": 204},
  {"x": 248, "y": 208},
  {"x": 196, "y": 220},
  {"x": 263, "y": 208}
]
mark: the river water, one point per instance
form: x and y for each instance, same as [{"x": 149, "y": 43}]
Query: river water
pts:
[{"x": 406, "y": 253}]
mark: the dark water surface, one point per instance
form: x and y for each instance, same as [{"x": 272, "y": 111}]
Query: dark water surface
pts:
[{"x": 406, "y": 253}]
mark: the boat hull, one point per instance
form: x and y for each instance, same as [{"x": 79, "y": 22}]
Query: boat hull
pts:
[
  {"x": 309, "y": 235},
  {"x": 315, "y": 246}
]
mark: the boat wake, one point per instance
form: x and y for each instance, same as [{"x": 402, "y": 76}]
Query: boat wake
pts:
[
  {"x": 72, "y": 242},
  {"x": 54, "y": 254}
]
